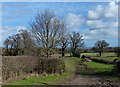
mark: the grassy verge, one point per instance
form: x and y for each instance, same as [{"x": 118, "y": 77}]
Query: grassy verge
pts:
[
  {"x": 99, "y": 67},
  {"x": 104, "y": 70},
  {"x": 40, "y": 80},
  {"x": 74, "y": 59}
]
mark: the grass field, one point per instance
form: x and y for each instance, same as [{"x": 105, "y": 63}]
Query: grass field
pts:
[{"x": 105, "y": 54}]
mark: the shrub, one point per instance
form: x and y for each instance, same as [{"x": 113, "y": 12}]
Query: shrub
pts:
[
  {"x": 77, "y": 54},
  {"x": 50, "y": 66}
]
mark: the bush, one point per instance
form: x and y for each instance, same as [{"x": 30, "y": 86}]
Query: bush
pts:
[
  {"x": 50, "y": 66},
  {"x": 77, "y": 54}
]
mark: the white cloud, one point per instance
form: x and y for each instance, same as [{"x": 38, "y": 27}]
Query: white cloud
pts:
[
  {"x": 103, "y": 31},
  {"x": 98, "y": 24},
  {"x": 111, "y": 11},
  {"x": 93, "y": 15},
  {"x": 93, "y": 22},
  {"x": 103, "y": 22},
  {"x": 104, "y": 12},
  {"x": 74, "y": 21}
]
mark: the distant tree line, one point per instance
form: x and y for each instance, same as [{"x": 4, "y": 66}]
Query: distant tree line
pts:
[{"x": 47, "y": 32}]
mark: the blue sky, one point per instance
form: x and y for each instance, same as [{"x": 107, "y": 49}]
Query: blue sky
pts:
[{"x": 96, "y": 21}]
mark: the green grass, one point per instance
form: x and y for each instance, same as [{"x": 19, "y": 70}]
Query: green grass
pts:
[
  {"x": 89, "y": 54},
  {"x": 99, "y": 67},
  {"x": 105, "y": 54},
  {"x": 69, "y": 66},
  {"x": 71, "y": 63},
  {"x": 104, "y": 70},
  {"x": 75, "y": 59},
  {"x": 39, "y": 80},
  {"x": 107, "y": 58}
]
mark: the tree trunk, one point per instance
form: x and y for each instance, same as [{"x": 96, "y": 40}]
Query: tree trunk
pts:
[
  {"x": 73, "y": 53},
  {"x": 47, "y": 54},
  {"x": 63, "y": 52},
  {"x": 100, "y": 53}
]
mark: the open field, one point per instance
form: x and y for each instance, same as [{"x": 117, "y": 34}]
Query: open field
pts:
[{"x": 105, "y": 54}]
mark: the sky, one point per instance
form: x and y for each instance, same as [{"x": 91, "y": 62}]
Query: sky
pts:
[{"x": 94, "y": 20}]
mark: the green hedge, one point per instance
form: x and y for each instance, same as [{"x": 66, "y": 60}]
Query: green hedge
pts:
[{"x": 17, "y": 66}]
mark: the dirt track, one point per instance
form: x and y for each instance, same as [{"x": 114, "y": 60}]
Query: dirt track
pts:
[
  {"x": 92, "y": 80},
  {"x": 85, "y": 80}
]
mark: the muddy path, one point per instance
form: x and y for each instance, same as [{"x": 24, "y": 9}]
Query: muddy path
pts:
[
  {"x": 86, "y": 80},
  {"x": 85, "y": 77}
]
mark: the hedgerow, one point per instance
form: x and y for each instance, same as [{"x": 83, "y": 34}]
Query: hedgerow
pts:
[{"x": 17, "y": 66}]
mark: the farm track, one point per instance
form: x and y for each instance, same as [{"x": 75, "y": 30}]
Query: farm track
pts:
[{"x": 89, "y": 79}]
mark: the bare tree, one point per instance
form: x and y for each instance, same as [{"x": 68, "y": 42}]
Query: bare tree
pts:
[
  {"x": 15, "y": 43},
  {"x": 27, "y": 42},
  {"x": 46, "y": 28},
  {"x": 12, "y": 42},
  {"x": 64, "y": 40},
  {"x": 76, "y": 40},
  {"x": 100, "y": 45},
  {"x": 8, "y": 46}
]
